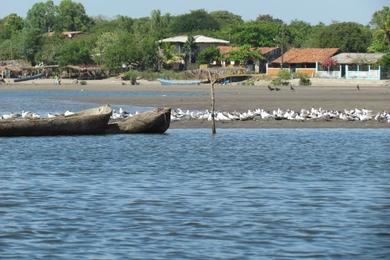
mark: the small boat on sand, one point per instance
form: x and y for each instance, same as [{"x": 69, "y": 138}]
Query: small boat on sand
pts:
[
  {"x": 179, "y": 82},
  {"x": 152, "y": 122},
  {"x": 87, "y": 122},
  {"x": 32, "y": 77}
]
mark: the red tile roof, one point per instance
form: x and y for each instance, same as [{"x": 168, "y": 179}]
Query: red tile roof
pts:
[
  {"x": 307, "y": 55},
  {"x": 262, "y": 50}
]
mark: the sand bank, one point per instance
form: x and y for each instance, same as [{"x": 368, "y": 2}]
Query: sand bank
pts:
[{"x": 327, "y": 94}]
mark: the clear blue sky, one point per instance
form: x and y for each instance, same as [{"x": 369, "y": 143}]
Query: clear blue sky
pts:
[{"x": 312, "y": 11}]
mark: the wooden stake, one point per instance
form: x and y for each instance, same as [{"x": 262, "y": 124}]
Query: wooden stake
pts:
[
  {"x": 213, "y": 128},
  {"x": 214, "y": 131}
]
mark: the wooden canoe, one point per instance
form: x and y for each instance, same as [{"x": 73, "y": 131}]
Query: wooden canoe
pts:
[
  {"x": 88, "y": 122},
  {"x": 179, "y": 82},
  {"x": 153, "y": 122}
]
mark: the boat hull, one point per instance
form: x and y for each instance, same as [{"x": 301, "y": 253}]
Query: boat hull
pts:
[
  {"x": 88, "y": 122},
  {"x": 179, "y": 82},
  {"x": 153, "y": 122}
]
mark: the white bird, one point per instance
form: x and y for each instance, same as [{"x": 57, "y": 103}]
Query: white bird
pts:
[{"x": 68, "y": 113}]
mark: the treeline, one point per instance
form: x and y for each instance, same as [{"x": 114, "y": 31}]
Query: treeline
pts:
[{"x": 113, "y": 42}]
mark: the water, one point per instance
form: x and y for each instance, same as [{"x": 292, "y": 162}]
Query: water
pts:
[{"x": 244, "y": 194}]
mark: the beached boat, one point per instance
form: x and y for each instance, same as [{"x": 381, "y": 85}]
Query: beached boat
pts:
[
  {"x": 153, "y": 122},
  {"x": 32, "y": 77},
  {"x": 87, "y": 122},
  {"x": 179, "y": 82}
]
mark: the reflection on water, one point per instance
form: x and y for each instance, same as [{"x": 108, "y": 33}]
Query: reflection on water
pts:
[{"x": 243, "y": 194}]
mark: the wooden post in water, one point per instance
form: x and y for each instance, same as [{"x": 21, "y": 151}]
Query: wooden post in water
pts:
[{"x": 213, "y": 129}]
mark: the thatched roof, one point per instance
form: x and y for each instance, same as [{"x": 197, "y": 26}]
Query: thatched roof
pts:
[{"x": 358, "y": 58}]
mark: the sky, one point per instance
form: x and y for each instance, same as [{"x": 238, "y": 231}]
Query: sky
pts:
[{"x": 312, "y": 11}]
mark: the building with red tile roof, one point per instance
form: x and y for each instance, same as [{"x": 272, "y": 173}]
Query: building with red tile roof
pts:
[
  {"x": 306, "y": 55},
  {"x": 302, "y": 60}
]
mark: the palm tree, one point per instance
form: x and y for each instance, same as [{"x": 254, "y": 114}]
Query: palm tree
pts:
[{"x": 189, "y": 50}]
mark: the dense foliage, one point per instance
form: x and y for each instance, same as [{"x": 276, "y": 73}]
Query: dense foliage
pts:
[{"x": 125, "y": 42}]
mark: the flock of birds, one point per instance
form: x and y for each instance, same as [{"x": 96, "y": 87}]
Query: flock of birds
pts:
[
  {"x": 279, "y": 114},
  {"x": 257, "y": 114},
  {"x": 117, "y": 114}
]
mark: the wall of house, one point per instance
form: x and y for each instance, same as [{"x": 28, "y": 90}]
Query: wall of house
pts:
[
  {"x": 306, "y": 71},
  {"x": 362, "y": 72}
]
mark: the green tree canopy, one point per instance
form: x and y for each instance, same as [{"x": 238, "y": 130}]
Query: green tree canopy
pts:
[
  {"x": 381, "y": 23},
  {"x": 72, "y": 17},
  {"x": 226, "y": 19},
  {"x": 75, "y": 52},
  {"x": 300, "y": 32},
  {"x": 11, "y": 25},
  {"x": 244, "y": 54},
  {"x": 194, "y": 21},
  {"x": 256, "y": 34},
  {"x": 348, "y": 36},
  {"x": 42, "y": 16},
  {"x": 209, "y": 55},
  {"x": 268, "y": 18}
]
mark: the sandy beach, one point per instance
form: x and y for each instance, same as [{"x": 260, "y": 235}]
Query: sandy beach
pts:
[{"x": 326, "y": 94}]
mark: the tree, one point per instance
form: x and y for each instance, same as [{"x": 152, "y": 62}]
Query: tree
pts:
[
  {"x": 11, "y": 24},
  {"x": 30, "y": 44},
  {"x": 104, "y": 42},
  {"x": 348, "y": 36},
  {"x": 268, "y": 18},
  {"x": 299, "y": 31},
  {"x": 256, "y": 34},
  {"x": 75, "y": 52},
  {"x": 50, "y": 49},
  {"x": 72, "y": 17},
  {"x": 329, "y": 63},
  {"x": 380, "y": 22},
  {"x": 244, "y": 54},
  {"x": 226, "y": 19},
  {"x": 385, "y": 63},
  {"x": 209, "y": 55},
  {"x": 159, "y": 24},
  {"x": 194, "y": 21},
  {"x": 42, "y": 16},
  {"x": 190, "y": 49}
]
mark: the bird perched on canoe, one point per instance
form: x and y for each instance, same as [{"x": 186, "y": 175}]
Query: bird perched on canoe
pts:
[{"x": 270, "y": 88}]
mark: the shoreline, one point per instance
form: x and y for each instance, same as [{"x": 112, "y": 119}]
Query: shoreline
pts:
[{"x": 326, "y": 94}]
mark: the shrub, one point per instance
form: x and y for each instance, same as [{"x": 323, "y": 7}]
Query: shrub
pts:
[
  {"x": 83, "y": 82},
  {"x": 284, "y": 74},
  {"x": 209, "y": 55},
  {"x": 304, "y": 79},
  {"x": 276, "y": 82}
]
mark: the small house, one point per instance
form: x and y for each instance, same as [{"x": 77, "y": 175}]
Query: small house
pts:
[
  {"x": 301, "y": 60},
  {"x": 269, "y": 54},
  {"x": 359, "y": 65}
]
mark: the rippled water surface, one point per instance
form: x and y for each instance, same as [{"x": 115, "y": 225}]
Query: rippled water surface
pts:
[{"x": 260, "y": 193}]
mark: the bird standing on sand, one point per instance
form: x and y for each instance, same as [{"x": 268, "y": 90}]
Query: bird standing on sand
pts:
[
  {"x": 277, "y": 89},
  {"x": 270, "y": 88},
  {"x": 292, "y": 88},
  {"x": 358, "y": 87}
]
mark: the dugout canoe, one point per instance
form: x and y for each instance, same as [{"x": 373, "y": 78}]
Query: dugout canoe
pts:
[
  {"x": 152, "y": 122},
  {"x": 87, "y": 122},
  {"x": 166, "y": 82}
]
